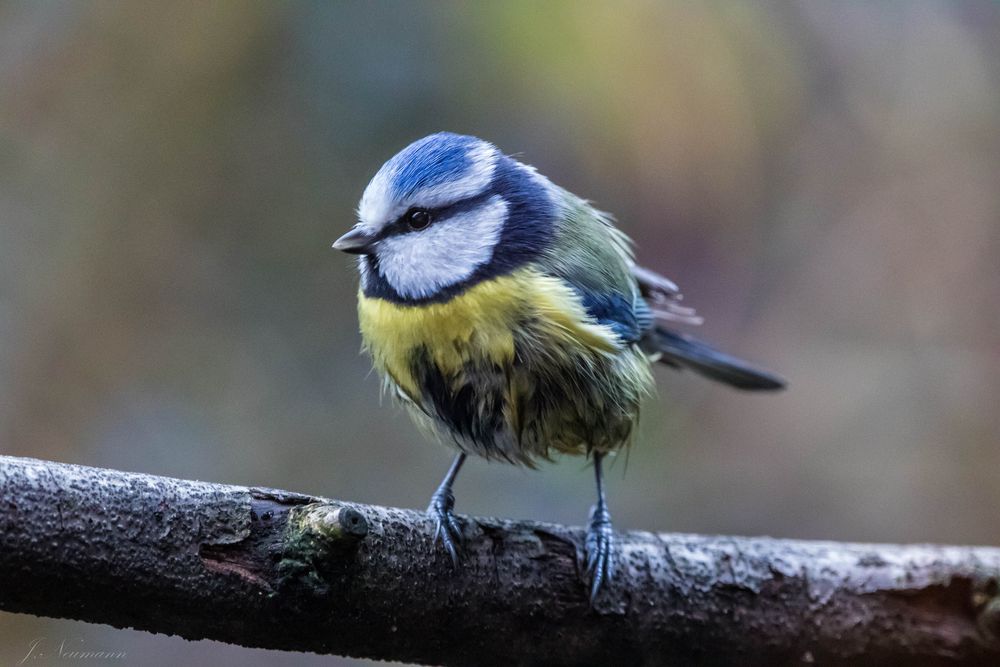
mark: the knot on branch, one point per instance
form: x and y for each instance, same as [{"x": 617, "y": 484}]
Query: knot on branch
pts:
[
  {"x": 987, "y": 604},
  {"x": 318, "y": 547},
  {"x": 325, "y": 526}
]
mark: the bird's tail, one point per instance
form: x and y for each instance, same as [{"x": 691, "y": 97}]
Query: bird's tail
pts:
[{"x": 683, "y": 351}]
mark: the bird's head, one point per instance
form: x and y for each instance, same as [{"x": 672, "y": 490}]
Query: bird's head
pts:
[{"x": 444, "y": 213}]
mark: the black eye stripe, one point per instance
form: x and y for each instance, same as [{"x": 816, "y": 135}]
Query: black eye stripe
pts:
[
  {"x": 437, "y": 215},
  {"x": 464, "y": 205}
]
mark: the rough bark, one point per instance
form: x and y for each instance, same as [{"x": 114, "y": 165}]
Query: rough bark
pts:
[{"x": 279, "y": 570}]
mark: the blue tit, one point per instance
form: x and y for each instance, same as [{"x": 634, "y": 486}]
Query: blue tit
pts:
[{"x": 510, "y": 317}]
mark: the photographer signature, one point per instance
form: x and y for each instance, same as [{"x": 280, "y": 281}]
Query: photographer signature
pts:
[{"x": 67, "y": 649}]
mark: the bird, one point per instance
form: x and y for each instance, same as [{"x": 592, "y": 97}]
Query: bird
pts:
[{"x": 511, "y": 319}]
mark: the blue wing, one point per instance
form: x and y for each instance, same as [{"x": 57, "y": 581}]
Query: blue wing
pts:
[{"x": 618, "y": 312}]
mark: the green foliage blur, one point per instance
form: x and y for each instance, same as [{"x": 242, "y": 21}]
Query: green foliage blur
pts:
[{"x": 821, "y": 178}]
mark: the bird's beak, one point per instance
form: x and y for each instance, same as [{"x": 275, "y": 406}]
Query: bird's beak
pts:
[{"x": 358, "y": 241}]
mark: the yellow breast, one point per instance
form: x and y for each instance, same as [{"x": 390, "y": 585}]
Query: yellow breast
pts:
[{"x": 479, "y": 324}]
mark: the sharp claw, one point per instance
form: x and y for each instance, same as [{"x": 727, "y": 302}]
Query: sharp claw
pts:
[
  {"x": 448, "y": 540},
  {"x": 596, "y": 587},
  {"x": 598, "y": 551},
  {"x": 452, "y": 552},
  {"x": 447, "y": 531}
]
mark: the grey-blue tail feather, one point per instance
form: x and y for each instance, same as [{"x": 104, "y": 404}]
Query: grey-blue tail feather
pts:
[{"x": 683, "y": 351}]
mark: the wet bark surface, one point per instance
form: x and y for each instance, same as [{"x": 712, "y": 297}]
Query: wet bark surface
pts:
[{"x": 273, "y": 569}]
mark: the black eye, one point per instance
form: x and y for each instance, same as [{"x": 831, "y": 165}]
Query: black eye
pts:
[{"x": 418, "y": 218}]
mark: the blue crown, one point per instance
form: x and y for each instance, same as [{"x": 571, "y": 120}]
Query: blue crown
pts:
[{"x": 433, "y": 160}]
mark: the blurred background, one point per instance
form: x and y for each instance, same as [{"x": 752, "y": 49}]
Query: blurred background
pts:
[{"x": 821, "y": 178}]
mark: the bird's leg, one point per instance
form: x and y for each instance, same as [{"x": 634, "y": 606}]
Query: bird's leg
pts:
[
  {"x": 442, "y": 503},
  {"x": 600, "y": 538}
]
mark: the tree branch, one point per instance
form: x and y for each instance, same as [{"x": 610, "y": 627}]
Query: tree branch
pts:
[{"x": 279, "y": 570}]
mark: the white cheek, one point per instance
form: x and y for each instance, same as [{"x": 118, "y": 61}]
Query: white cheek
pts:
[{"x": 419, "y": 264}]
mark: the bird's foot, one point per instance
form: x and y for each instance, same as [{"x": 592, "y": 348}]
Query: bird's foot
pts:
[
  {"x": 599, "y": 549},
  {"x": 448, "y": 531}
]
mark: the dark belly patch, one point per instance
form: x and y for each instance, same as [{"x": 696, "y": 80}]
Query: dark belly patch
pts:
[
  {"x": 470, "y": 402},
  {"x": 517, "y": 413}
]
